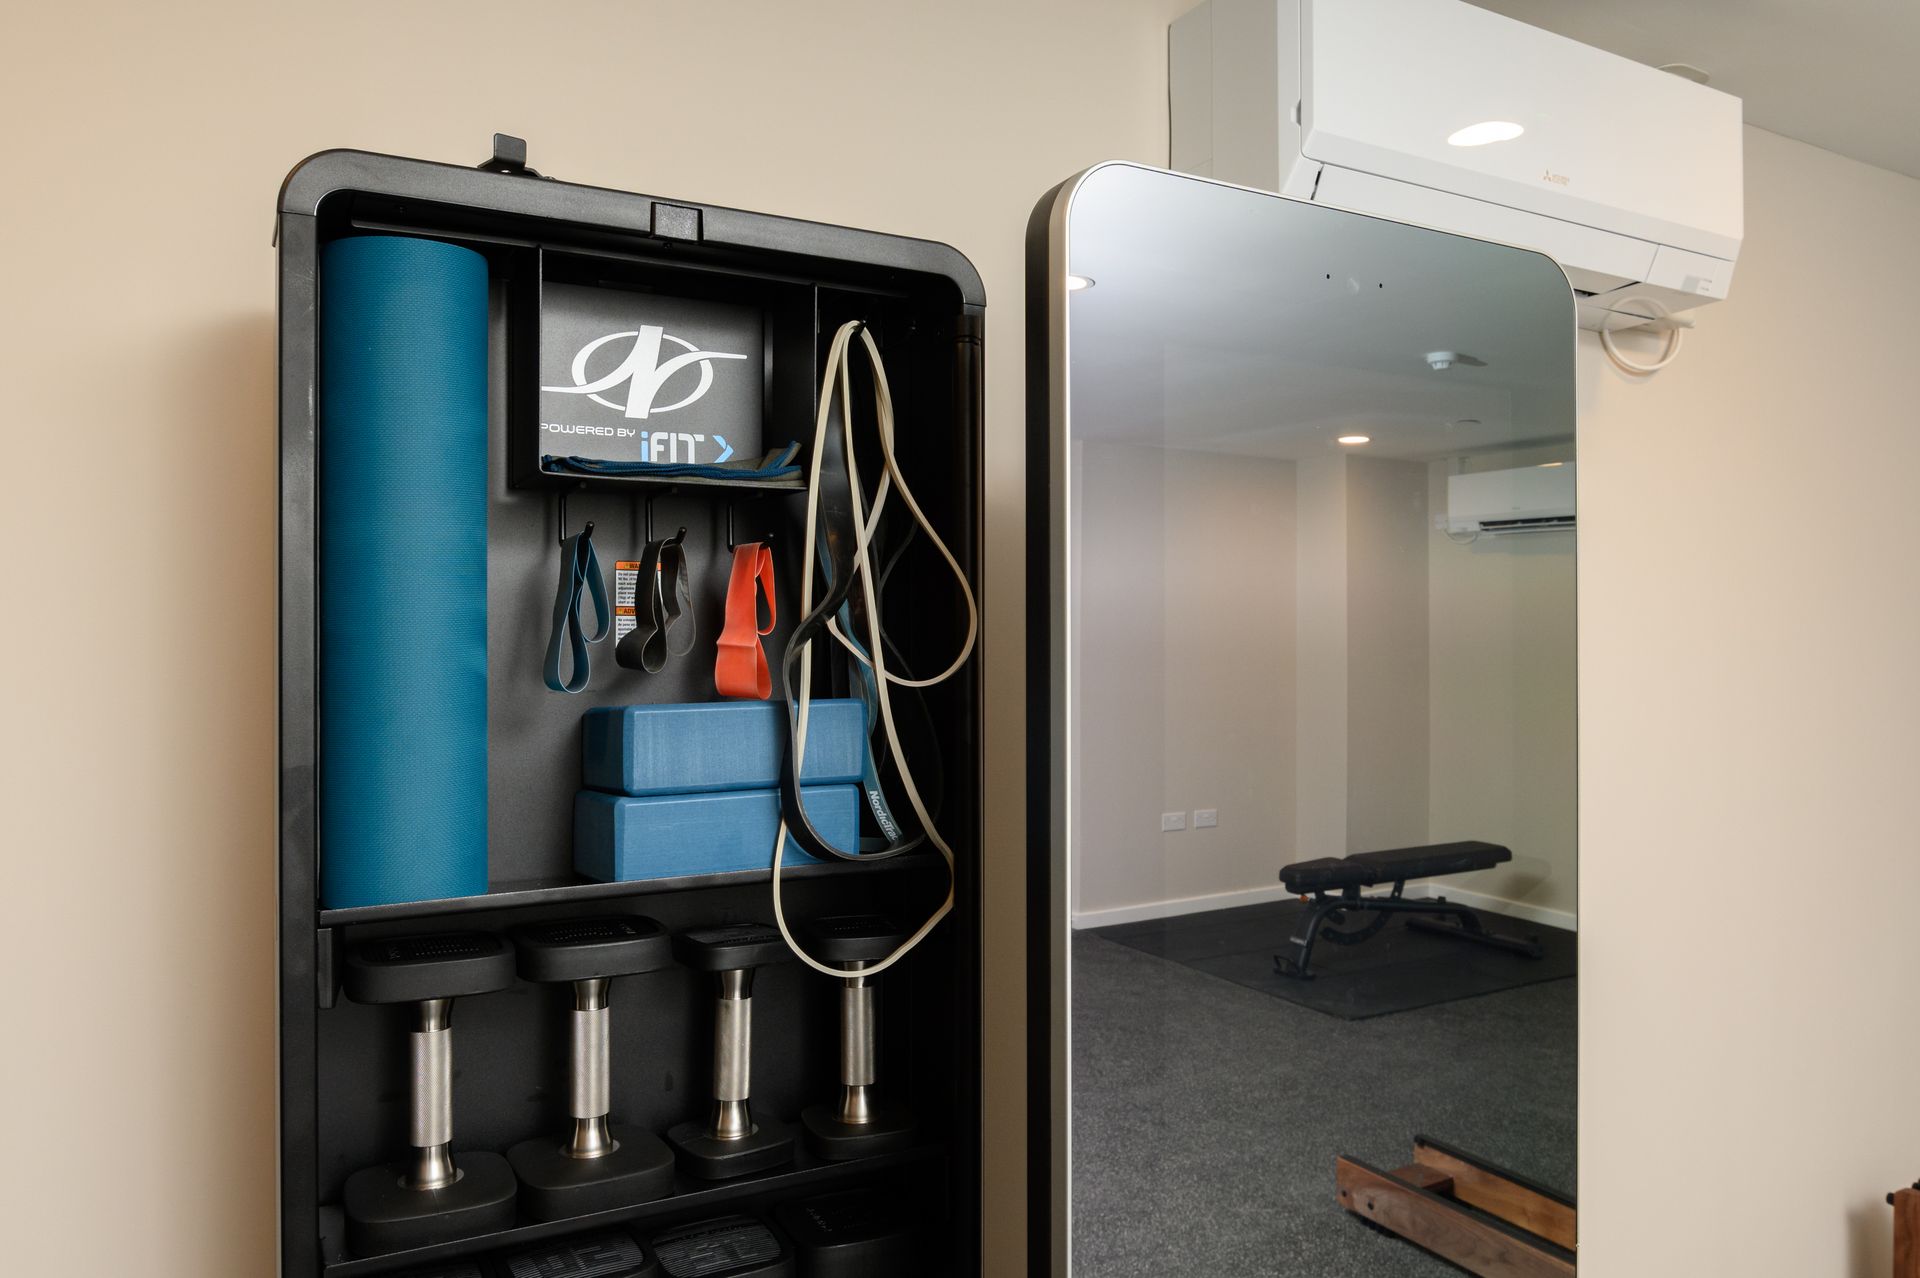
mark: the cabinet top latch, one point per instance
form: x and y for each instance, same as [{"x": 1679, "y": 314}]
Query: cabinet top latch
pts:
[{"x": 509, "y": 156}]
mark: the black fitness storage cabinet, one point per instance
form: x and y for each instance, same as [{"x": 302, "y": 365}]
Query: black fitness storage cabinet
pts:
[{"x": 343, "y": 1065}]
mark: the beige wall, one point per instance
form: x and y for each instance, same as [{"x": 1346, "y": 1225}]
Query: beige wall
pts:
[
  {"x": 1503, "y": 732},
  {"x": 137, "y": 354},
  {"x": 1186, "y": 606},
  {"x": 1749, "y": 690}
]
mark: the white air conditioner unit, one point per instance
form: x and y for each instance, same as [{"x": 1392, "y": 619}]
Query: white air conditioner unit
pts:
[
  {"x": 1441, "y": 114},
  {"x": 1497, "y": 502}
]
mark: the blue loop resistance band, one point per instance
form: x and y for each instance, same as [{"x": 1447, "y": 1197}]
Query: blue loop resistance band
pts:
[{"x": 579, "y": 571}]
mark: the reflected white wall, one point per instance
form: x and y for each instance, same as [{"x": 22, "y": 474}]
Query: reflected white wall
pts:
[
  {"x": 1185, "y": 614},
  {"x": 1295, "y": 645},
  {"x": 1501, "y": 655}
]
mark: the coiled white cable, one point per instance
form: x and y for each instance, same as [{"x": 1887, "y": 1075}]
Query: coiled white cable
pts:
[
  {"x": 1672, "y": 348},
  {"x": 838, "y": 375}
]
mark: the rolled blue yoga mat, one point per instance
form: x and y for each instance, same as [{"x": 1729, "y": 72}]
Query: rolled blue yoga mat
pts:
[{"x": 402, "y": 512}]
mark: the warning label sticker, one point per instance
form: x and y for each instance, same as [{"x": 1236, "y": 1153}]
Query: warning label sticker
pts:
[{"x": 626, "y": 592}]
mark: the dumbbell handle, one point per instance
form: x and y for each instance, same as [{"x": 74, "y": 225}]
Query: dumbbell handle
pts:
[
  {"x": 589, "y": 1076},
  {"x": 430, "y": 1113},
  {"x": 733, "y": 1056},
  {"x": 858, "y": 1068}
]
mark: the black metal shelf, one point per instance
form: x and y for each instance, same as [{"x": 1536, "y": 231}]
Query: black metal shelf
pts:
[
  {"x": 691, "y": 1198},
  {"x": 558, "y": 891},
  {"x": 660, "y": 485}
]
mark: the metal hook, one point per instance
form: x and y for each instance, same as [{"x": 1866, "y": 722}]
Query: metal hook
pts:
[
  {"x": 585, "y": 532},
  {"x": 764, "y": 539},
  {"x": 731, "y": 544}
]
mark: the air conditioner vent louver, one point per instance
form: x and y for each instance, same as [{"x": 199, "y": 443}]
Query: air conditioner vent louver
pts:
[{"x": 1548, "y": 524}]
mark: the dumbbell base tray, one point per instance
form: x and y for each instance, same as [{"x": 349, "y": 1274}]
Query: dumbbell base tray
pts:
[
  {"x": 701, "y": 1156},
  {"x": 890, "y": 1131},
  {"x": 554, "y": 1187},
  {"x": 383, "y": 1215}
]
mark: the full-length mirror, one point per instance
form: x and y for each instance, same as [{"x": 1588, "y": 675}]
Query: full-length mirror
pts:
[{"x": 1304, "y": 710}]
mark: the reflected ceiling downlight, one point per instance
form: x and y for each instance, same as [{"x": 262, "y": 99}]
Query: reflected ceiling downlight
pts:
[
  {"x": 1484, "y": 132},
  {"x": 1078, "y": 283},
  {"x": 1351, "y": 440}
]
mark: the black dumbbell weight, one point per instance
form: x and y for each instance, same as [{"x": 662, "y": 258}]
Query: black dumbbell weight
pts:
[
  {"x": 856, "y": 1125},
  {"x": 858, "y": 1233},
  {"x": 729, "y": 1247},
  {"x": 609, "y": 1255},
  {"x": 596, "y": 1166},
  {"x": 430, "y": 1198},
  {"x": 731, "y": 1142}
]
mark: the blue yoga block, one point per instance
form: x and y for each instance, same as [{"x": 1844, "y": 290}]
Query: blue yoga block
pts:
[
  {"x": 621, "y": 839},
  {"x": 708, "y": 746}
]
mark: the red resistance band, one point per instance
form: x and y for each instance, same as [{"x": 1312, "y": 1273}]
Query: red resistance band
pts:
[{"x": 740, "y": 668}]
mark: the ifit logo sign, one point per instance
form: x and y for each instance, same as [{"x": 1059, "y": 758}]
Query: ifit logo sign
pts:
[{"x": 643, "y": 372}]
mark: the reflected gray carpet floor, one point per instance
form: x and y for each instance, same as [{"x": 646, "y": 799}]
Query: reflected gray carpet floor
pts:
[{"x": 1207, "y": 1116}]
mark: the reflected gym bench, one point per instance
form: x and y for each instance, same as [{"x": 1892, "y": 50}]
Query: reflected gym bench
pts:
[{"x": 1334, "y": 885}]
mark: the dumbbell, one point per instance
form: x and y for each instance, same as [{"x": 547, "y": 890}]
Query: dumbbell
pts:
[
  {"x": 608, "y": 1255},
  {"x": 430, "y": 1198},
  {"x": 731, "y": 1143},
  {"x": 727, "y": 1247},
  {"x": 856, "y": 1125},
  {"x": 857, "y": 1233},
  {"x": 597, "y": 1166}
]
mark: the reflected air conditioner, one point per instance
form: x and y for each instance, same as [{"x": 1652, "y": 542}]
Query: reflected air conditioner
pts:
[{"x": 1529, "y": 499}]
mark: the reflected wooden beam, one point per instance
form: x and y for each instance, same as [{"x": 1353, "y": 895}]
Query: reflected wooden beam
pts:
[
  {"x": 1512, "y": 1198},
  {"x": 1465, "y": 1211}
]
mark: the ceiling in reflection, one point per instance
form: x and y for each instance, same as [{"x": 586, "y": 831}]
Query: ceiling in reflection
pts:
[{"x": 1233, "y": 321}]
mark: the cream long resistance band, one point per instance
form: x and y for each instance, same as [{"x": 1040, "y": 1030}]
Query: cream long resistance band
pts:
[{"x": 838, "y": 377}]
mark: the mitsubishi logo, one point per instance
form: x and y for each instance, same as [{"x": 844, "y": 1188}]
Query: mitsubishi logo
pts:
[{"x": 643, "y": 371}]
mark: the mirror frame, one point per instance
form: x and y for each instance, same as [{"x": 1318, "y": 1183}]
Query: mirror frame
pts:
[
  {"x": 1049, "y": 587},
  {"x": 1049, "y": 1186}
]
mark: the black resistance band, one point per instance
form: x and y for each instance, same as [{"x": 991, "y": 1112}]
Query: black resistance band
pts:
[{"x": 834, "y": 500}]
